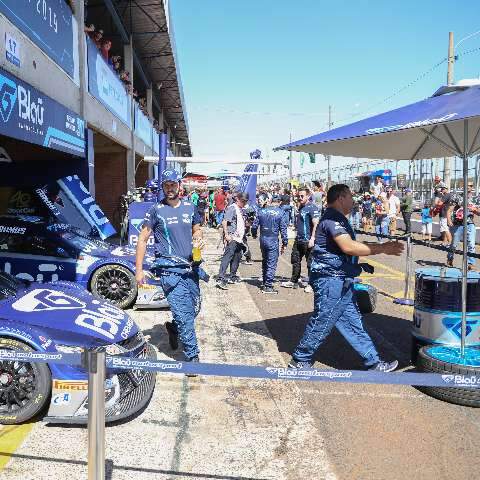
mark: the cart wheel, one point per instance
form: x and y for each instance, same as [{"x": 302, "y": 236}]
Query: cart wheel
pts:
[{"x": 448, "y": 361}]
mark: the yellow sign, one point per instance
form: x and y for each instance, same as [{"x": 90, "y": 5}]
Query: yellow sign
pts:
[{"x": 70, "y": 385}]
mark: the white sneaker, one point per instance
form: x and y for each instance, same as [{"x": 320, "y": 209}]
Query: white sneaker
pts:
[
  {"x": 308, "y": 289},
  {"x": 302, "y": 283},
  {"x": 288, "y": 284}
]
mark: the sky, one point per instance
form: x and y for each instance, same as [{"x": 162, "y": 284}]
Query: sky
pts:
[{"x": 255, "y": 72}]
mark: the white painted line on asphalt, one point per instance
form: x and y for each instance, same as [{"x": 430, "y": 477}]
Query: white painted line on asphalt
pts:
[{"x": 362, "y": 394}]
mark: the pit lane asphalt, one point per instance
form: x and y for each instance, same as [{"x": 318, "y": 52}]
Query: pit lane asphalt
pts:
[{"x": 221, "y": 428}]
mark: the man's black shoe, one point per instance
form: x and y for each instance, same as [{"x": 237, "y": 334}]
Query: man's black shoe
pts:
[
  {"x": 172, "y": 335},
  {"x": 233, "y": 280},
  {"x": 222, "y": 284},
  {"x": 269, "y": 290}
]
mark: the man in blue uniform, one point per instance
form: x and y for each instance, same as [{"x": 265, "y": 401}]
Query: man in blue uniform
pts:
[
  {"x": 271, "y": 221},
  {"x": 332, "y": 271},
  {"x": 175, "y": 225},
  {"x": 306, "y": 224}
]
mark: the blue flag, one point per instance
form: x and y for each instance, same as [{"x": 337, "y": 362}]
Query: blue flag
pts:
[{"x": 162, "y": 164}]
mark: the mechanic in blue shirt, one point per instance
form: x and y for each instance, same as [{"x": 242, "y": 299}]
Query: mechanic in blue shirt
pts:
[
  {"x": 271, "y": 220},
  {"x": 175, "y": 225},
  {"x": 306, "y": 223},
  {"x": 332, "y": 271}
]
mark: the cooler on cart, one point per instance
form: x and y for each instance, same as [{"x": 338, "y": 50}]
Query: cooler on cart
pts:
[{"x": 437, "y": 316}]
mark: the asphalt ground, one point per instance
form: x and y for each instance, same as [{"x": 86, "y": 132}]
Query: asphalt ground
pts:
[{"x": 227, "y": 428}]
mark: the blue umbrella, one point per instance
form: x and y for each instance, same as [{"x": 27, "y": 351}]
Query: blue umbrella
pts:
[{"x": 448, "y": 123}]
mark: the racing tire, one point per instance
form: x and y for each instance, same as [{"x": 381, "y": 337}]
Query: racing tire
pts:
[
  {"x": 116, "y": 284},
  {"x": 469, "y": 397},
  {"x": 41, "y": 381}
]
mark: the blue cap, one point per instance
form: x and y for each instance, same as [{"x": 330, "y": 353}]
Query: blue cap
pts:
[
  {"x": 276, "y": 198},
  {"x": 151, "y": 184},
  {"x": 170, "y": 176},
  {"x": 150, "y": 197}
]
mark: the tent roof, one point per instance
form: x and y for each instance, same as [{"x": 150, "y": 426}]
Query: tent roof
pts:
[{"x": 430, "y": 128}]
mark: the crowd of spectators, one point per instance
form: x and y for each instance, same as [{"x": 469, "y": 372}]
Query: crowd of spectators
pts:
[{"x": 115, "y": 62}]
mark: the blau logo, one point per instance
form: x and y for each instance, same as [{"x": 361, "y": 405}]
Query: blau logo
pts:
[
  {"x": 8, "y": 97},
  {"x": 455, "y": 325}
]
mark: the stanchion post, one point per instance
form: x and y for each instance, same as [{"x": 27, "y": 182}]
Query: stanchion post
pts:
[
  {"x": 96, "y": 415},
  {"x": 405, "y": 300}
]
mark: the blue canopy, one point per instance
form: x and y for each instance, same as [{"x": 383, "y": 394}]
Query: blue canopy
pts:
[{"x": 430, "y": 128}]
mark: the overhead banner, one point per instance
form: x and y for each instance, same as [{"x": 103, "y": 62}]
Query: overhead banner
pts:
[
  {"x": 49, "y": 24},
  {"x": 29, "y": 115},
  {"x": 105, "y": 86},
  {"x": 143, "y": 127}
]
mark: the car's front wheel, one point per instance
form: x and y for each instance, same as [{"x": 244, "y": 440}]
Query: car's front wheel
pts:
[
  {"x": 24, "y": 387},
  {"x": 116, "y": 284}
]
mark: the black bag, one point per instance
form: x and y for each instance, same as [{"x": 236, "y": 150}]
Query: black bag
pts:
[{"x": 366, "y": 296}]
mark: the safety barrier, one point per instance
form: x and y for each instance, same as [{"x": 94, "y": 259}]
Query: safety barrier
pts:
[
  {"x": 238, "y": 371},
  {"x": 96, "y": 363}
]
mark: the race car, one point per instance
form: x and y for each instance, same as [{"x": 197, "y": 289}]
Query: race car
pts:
[
  {"x": 35, "y": 249},
  {"x": 63, "y": 317}
]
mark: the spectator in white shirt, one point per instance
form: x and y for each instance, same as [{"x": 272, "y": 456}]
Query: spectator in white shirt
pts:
[
  {"x": 393, "y": 210},
  {"x": 377, "y": 188}
]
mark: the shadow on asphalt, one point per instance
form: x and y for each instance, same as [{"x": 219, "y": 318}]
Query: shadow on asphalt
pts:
[
  {"x": 391, "y": 336},
  {"x": 110, "y": 466},
  {"x": 429, "y": 263},
  {"x": 159, "y": 338}
]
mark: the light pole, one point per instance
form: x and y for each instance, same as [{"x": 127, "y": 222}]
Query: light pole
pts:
[{"x": 451, "y": 62}]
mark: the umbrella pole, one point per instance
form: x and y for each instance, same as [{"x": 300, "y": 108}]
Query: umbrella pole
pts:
[{"x": 465, "y": 236}]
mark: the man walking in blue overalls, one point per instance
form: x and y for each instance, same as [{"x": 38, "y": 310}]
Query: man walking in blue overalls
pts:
[
  {"x": 333, "y": 268},
  {"x": 271, "y": 221},
  {"x": 175, "y": 225}
]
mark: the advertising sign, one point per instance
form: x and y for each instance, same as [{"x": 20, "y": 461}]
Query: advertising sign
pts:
[
  {"x": 401, "y": 180},
  {"x": 29, "y": 115},
  {"x": 79, "y": 195},
  {"x": 105, "y": 86},
  {"x": 136, "y": 215},
  {"x": 12, "y": 49},
  {"x": 48, "y": 24},
  {"x": 143, "y": 127}
]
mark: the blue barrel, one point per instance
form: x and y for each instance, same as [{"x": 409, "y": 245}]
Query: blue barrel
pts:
[{"x": 437, "y": 316}]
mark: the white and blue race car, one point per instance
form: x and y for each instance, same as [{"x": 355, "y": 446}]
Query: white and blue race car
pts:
[
  {"x": 36, "y": 249},
  {"x": 63, "y": 317}
]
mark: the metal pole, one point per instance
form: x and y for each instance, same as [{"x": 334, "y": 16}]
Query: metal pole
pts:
[
  {"x": 477, "y": 173},
  {"x": 408, "y": 267},
  {"x": 290, "y": 166},
  {"x": 451, "y": 61},
  {"x": 406, "y": 292},
  {"x": 96, "y": 415},
  {"x": 465, "y": 223},
  {"x": 329, "y": 176}
]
